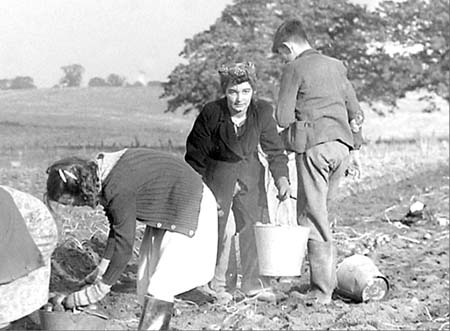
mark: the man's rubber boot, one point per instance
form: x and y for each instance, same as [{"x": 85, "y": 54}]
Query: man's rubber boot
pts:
[
  {"x": 156, "y": 314},
  {"x": 322, "y": 267}
]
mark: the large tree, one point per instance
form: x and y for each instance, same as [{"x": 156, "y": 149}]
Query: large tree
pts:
[
  {"x": 336, "y": 27},
  {"x": 423, "y": 26}
]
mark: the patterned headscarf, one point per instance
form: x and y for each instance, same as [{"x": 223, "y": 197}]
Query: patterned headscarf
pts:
[{"x": 237, "y": 73}]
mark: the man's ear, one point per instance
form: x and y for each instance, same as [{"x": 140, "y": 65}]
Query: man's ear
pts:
[{"x": 286, "y": 48}]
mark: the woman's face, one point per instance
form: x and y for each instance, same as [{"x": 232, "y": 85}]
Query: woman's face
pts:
[
  {"x": 239, "y": 97},
  {"x": 76, "y": 200}
]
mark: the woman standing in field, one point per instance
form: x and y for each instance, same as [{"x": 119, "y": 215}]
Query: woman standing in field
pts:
[
  {"x": 28, "y": 238},
  {"x": 178, "y": 251},
  {"x": 223, "y": 148}
]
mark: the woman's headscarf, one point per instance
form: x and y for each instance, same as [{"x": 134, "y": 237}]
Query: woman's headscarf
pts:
[{"x": 237, "y": 73}]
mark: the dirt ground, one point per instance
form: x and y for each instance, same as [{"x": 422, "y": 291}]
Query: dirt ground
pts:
[{"x": 411, "y": 251}]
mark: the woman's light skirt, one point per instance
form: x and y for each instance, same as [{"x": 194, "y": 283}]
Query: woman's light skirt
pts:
[{"x": 171, "y": 263}]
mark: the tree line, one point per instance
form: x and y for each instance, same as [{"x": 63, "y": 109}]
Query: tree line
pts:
[
  {"x": 400, "y": 46},
  {"x": 72, "y": 77}
]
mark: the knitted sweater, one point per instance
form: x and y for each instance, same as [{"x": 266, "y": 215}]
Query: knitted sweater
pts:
[{"x": 156, "y": 188}]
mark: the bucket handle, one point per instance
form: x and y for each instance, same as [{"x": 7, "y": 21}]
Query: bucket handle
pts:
[{"x": 291, "y": 215}]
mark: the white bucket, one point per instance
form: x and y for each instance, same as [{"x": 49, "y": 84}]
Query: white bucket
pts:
[{"x": 281, "y": 249}]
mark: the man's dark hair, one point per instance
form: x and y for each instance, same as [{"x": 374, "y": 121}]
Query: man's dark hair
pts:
[{"x": 289, "y": 30}]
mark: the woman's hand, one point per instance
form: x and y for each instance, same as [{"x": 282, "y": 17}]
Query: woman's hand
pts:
[
  {"x": 284, "y": 189},
  {"x": 97, "y": 273},
  {"x": 87, "y": 296}
]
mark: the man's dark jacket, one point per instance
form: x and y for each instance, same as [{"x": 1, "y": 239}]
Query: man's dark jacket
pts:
[{"x": 316, "y": 95}]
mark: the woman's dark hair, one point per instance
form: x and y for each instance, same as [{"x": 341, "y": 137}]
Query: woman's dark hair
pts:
[{"x": 75, "y": 177}]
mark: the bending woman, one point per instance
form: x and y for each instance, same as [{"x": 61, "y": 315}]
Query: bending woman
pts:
[
  {"x": 178, "y": 250},
  {"x": 28, "y": 238}
]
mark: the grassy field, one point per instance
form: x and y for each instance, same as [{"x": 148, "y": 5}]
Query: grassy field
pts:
[
  {"x": 58, "y": 119},
  {"x": 405, "y": 157},
  {"x": 40, "y": 126},
  {"x": 54, "y": 119}
]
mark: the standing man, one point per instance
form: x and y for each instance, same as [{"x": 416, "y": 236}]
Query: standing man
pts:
[{"x": 318, "y": 106}]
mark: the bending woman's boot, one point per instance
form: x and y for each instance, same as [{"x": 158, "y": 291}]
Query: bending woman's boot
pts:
[{"x": 156, "y": 314}]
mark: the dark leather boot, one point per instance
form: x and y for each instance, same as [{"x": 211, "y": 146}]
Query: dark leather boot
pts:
[
  {"x": 322, "y": 267},
  {"x": 156, "y": 314}
]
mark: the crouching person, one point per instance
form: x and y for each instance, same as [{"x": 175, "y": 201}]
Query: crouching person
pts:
[
  {"x": 28, "y": 238},
  {"x": 179, "y": 247}
]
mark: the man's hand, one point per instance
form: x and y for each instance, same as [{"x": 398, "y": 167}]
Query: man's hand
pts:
[
  {"x": 354, "y": 167},
  {"x": 354, "y": 126},
  {"x": 86, "y": 296},
  {"x": 220, "y": 211},
  {"x": 284, "y": 190}
]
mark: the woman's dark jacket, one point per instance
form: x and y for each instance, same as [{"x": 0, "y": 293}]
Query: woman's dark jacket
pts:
[{"x": 222, "y": 157}]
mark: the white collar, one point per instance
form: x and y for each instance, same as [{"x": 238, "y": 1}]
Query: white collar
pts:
[
  {"x": 238, "y": 121},
  {"x": 106, "y": 161}
]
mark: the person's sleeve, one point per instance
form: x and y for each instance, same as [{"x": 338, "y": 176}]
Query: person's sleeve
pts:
[
  {"x": 354, "y": 111},
  {"x": 119, "y": 248},
  {"x": 197, "y": 144},
  {"x": 272, "y": 145},
  {"x": 287, "y": 96},
  {"x": 109, "y": 249}
]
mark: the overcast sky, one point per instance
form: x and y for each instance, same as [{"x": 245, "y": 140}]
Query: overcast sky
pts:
[{"x": 140, "y": 39}]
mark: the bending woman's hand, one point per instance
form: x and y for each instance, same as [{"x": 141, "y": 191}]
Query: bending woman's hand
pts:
[
  {"x": 97, "y": 273},
  {"x": 87, "y": 296}
]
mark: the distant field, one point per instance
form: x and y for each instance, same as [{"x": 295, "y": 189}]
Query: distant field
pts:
[
  {"x": 94, "y": 116},
  {"x": 408, "y": 122},
  {"x": 44, "y": 124}
]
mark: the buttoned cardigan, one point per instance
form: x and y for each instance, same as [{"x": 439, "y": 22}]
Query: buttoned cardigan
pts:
[{"x": 153, "y": 187}]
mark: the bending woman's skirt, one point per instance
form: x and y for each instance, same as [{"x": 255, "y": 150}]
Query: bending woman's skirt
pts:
[
  {"x": 171, "y": 263},
  {"x": 24, "y": 295}
]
